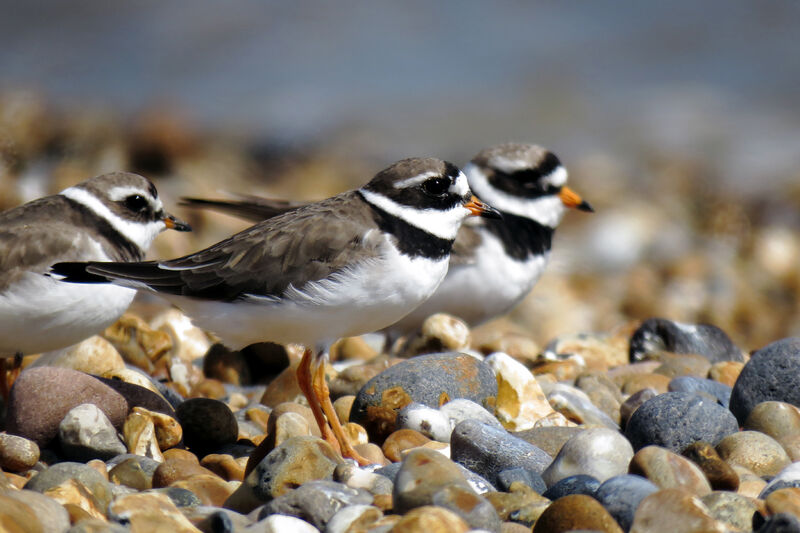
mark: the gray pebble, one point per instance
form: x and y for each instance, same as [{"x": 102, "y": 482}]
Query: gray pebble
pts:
[
  {"x": 719, "y": 391},
  {"x": 429, "y": 421},
  {"x": 316, "y": 501},
  {"x": 661, "y": 334},
  {"x": 621, "y": 496},
  {"x": 86, "y": 433}
]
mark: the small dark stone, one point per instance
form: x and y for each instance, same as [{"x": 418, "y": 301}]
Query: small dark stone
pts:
[
  {"x": 675, "y": 420},
  {"x": 137, "y": 396},
  {"x": 777, "y": 523},
  {"x": 773, "y": 373},
  {"x": 633, "y": 402},
  {"x": 207, "y": 425},
  {"x": 487, "y": 450},
  {"x": 714, "y": 389},
  {"x": 580, "y": 484},
  {"x": 663, "y": 335},
  {"x": 621, "y": 496},
  {"x": 528, "y": 477}
]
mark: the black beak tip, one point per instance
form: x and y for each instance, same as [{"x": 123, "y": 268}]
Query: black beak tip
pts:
[
  {"x": 492, "y": 213},
  {"x": 182, "y": 226},
  {"x": 585, "y": 206}
]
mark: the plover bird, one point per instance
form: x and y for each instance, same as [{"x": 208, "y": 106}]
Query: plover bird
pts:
[
  {"x": 113, "y": 217},
  {"x": 494, "y": 263},
  {"x": 348, "y": 265}
]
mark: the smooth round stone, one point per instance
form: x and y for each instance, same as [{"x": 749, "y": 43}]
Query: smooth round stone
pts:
[
  {"x": 670, "y": 510},
  {"x": 316, "y": 502},
  {"x": 788, "y": 477},
  {"x": 750, "y": 485},
  {"x": 296, "y": 461},
  {"x": 41, "y": 397},
  {"x": 141, "y": 511},
  {"x": 225, "y": 466},
  {"x": 281, "y": 523},
  {"x": 462, "y": 409},
  {"x": 776, "y": 419},
  {"x": 734, "y": 510},
  {"x": 430, "y": 519},
  {"x": 597, "y": 452},
  {"x": 59, "y": 473},
  {"x": 576, "y": 512},
  {"x": 621, "y": 496},
  {"x": 475, "y": 510},
  {"x": 522, "y": 475},
  {"x": 428, "y": 421},
  {"x": 207, "y": 424},
  {"x": 174, "y": 469},
  {"x": 94, "y": 355},
  {"x": 578, "y": 484},
  {"x": 439, "y": 332},
  {"x": 720, "y": 474},
  {"x": 16, "y": 516},
  {"x": 576, "y": 406},
  {"x": 431, "y": 380},
  {"x": 289, "y": 425},
  {"x": 784, "y": 501},
  {"x": 791, "y": 444},
  {"x": 353, "y": 518},
  {"x": 755, "y": 451},
  {"x": 773, "y": 373},
  {"x": 17, "y": 454},
  {"x": 423, "y": 473},
  {"x": 49, "y": 513},
  {"x": 669, "y": 470},
  {"x": 633, "y": 402},
  {"x": 722, "y": 393},
  {"x": 146, "y": 396},
  {"x": 549, "y": 438},
  {"x": 675, "y": 420},
  {"x": 663, "y": 335},
  {"x": 520, "y": 399},
  {"x": 86, "y": 433},
  {"x": 487, "y": 450},
  {"x": 130, "y": 473},
  {"x": 209, "y": 488},
  {"x": 400, "y": 440}
]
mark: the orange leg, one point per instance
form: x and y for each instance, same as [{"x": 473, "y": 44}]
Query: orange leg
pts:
[
  {"x": 305, "y": 381},
  {"x": 323, "y": 395}
]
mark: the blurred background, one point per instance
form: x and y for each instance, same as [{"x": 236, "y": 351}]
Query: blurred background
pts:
[{"x": 679, "y": 121}]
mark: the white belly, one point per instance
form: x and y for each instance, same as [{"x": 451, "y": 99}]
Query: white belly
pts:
[
  {"x": 366, "y": 298},
  {"x": 39, "y": 313},
  {"x": 476, "y": 292}
]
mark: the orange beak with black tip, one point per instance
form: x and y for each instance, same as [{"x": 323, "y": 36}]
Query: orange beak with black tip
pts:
[
  {"x": 572, "y": 199},
  {"x": 175, "y": 223},
  {"x": 478, "y": 208}
]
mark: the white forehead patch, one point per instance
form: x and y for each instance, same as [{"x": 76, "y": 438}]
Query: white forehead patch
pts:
[
  {"x": 415, "y": 180},
  {"x": 557, "y": 178},
  {"x": 460, "y": 186}
]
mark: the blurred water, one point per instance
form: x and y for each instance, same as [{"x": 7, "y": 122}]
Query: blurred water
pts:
[{"x": 717, "y": 80}]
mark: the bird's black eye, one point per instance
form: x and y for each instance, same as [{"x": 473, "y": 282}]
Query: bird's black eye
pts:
[
  {"x": 136, "y": 202},
  {"x": 436, "y": 186}
]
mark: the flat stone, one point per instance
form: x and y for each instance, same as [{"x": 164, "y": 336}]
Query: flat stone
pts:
[
  {"x": 669, "y": 470},
  {"x": 720, "y": 474},
  {"x": 773, "y": 373},
  {"x": 675, "y": 420},
  {"x": 597, "y": 452},
  {"x": 41, "y": 397},
  {"x": 670, "y": 510},
  {"x": 207, "y": 424},
  {"x": 621, "y": 496},
  {"x": 759, "y": 453},
  {"x": 734, "y": 510},
  {"x": 487, "y": 450},
  {"x": 520, "y": 399},
  {"x": 17, "y": 454},
  {"x": 431, "y": 380},
  {"x": 576, "y": 512},
  {"x": 661, "y": 334},
  {"x": 86, "y": 433}
]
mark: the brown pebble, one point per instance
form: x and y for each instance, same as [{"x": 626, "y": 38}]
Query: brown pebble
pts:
[
  {"x": 208, "y": 388},
  {"x": 180, "y": 453},
  {"x": 669, "y": 470},
  {"x": 759, "y": 453},
  {"x": 257, "y": 416},
  {"x": 776, "y": 419},
  {"x": 576, "y": 511},
  {"x": 664, "y": 510},
  {"x": 675, "y": 365},
  {"x": 130, "y": 473},
  {"x": 100, "y": 466},
  {"x": 720, "y": 474},
  {"x": 225, "y": 466},
  {"x": 343, "y": 405},
  {"x": 633, "y": 402},
  {"x": 211, "y": 489},
  {"x": 17, "y": 454},
  {"x": 372, "y": 452},
  {"x": 566, "y": 370},
  {"x": 726, "y": 372},
  {"x": 786, "y": 500},
  {"x": 402, "y": 439},
  {"x": 172, "y": 470},
  {"x": 637, "y": 382},
  {"x": 430, "y": 519},
  {"x": 352, "y": 348}
]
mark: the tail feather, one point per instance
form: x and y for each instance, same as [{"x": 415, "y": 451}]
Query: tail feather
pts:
[{"x": 75, "y": 272}]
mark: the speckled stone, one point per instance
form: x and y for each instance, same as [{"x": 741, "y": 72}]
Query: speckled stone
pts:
[
  {"x": 755, "y": 451},
  {"x": 487, "y": 450},
  {"x": 41, "y": 397},
  {"x": 720, "y": 474},
  {"x": 431, "y": 380},
  {"x": 294, "y": 462},
  {"x": 776, "y": 419},
  {"x": 520, "y": 399},
  {"x": 477, "y": 512},
  {"x": 603, "y": 393},
  {"x": 462, "y": 409},
  {"x": 423, "y": 473},
  {"x": 714, "y": 390},
  {"x": 430, "y": 519},
  {"x": 207, "y": 424},
  {"x": 734, "y": 510},
  {"x": 86, "y": 433},
  {"x": 598, "y": 452},
  {"x": 576, "y": 512},
  {"x": 17, "y": 454},
  {"x": 661, "y": 334},
  {"x": 549, "y": 439},
  {"x": 621, "y": 496},
  {"x": 670, "y": 510},
  {"x": 676, "y": 419},
  {"x": 773, "y": 373},
  {"x": 669, "y": 470}
]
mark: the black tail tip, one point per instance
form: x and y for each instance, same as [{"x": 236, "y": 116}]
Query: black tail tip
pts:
[{"x": 75, "y": 272}]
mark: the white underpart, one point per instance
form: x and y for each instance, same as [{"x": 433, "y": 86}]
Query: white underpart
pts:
[
  {"x": 38, "y": 313},
  {"x": 547, "y": 210},
  {"x": 141, "y": 234},
  {"x": 368, "y": 296},
  {"x": 443, "y": 224},
  {"x": 478, "y": 291}
]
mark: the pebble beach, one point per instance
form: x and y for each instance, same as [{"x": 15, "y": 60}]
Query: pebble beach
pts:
[{"x": 647, "y": 384}]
